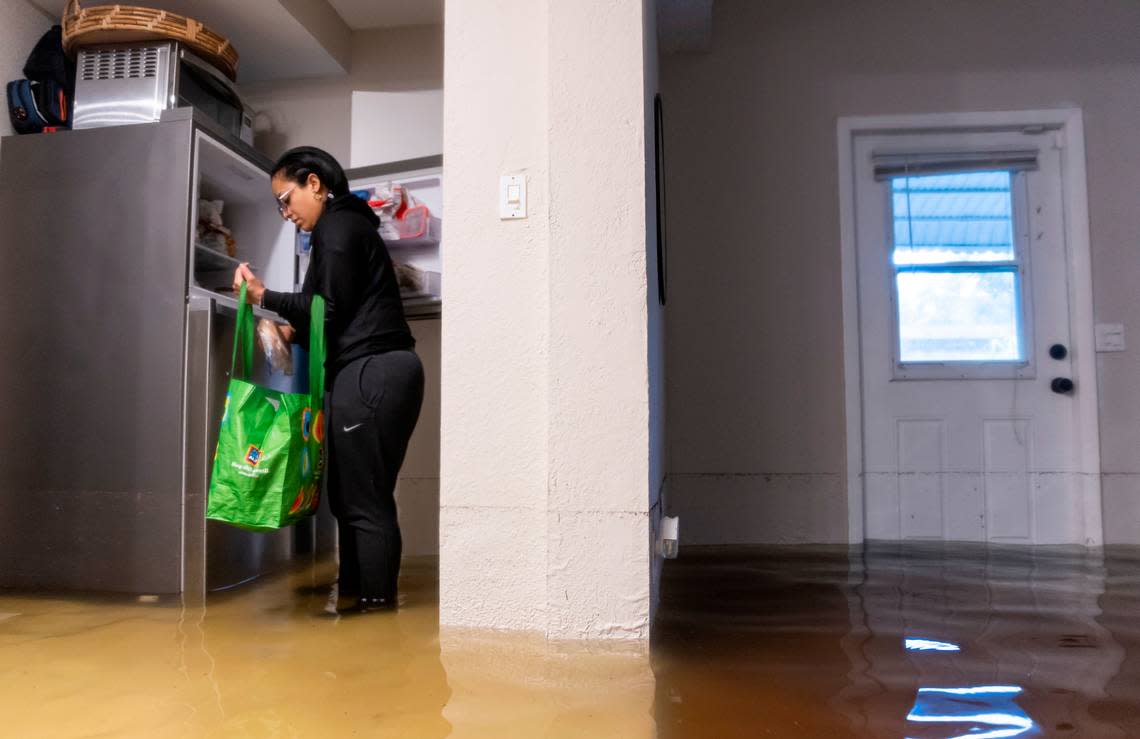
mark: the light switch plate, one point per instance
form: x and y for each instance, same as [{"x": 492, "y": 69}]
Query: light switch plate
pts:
[
  {"x": 512, "y": 196},
  {"x": 1110, "y": 337}
]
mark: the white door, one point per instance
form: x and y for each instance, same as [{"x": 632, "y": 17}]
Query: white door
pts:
[{"x": 970, "y": 431}]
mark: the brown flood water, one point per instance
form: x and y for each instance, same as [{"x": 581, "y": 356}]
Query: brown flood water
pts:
[
  {"x": 924, "y": 642},
  {"x": 929, "y": 642}
]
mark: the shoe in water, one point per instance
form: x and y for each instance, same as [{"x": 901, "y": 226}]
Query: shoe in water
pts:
[{"x": 368, "y": 605}]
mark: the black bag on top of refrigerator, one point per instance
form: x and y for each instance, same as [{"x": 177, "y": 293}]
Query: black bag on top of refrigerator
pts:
[
  {"x": 42, "y": 101},
  {"x": 35, "y": 107},
  {"x": 48, "y": 61}
]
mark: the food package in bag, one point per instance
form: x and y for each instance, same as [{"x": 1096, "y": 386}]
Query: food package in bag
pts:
[{"x": 276, "y": 349}]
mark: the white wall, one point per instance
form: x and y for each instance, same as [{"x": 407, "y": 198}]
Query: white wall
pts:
[
  {"x": 656, "y": 312},
  {"x": 319, "y": 112},
  {"x": 397, "y": 62},
  {"x": 390, "y": 126},
  {"x": 599, "y": 573},
  {"x": 302, "y": 113},
  {"x": 545, "y": 450},
  {"x": 755, "y": 355},
  {"x": 21, "y": 25},
  {"x": 493, "y": 449}
]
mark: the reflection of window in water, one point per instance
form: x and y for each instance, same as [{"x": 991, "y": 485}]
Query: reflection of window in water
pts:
[
  {"x": 982, "y": 712},
  {"x": 929, "y": 645}
]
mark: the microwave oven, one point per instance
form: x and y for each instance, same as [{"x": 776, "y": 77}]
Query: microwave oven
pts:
[{"x": 117, "y": 84}]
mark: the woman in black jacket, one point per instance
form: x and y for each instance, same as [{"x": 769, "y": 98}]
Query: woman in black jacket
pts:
[{"x": 373, "y": 377}]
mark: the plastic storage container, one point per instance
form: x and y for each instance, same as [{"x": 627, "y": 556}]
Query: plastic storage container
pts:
[{"x": 417, "y": 226}]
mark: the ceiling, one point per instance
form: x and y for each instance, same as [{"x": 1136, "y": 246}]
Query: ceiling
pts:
[
  {"x": 364, "y": 14},
  {"x": 298, "y": 39}
]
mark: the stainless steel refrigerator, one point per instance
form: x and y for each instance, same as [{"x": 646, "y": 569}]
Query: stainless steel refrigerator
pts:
[{"x": 115, "y": 342}]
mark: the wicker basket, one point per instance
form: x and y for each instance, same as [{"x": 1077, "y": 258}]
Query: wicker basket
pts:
[{"x": 110, "y": 24}]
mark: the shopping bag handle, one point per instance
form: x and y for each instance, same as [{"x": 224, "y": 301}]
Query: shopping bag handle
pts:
[
  {"x": 317, "y": 350},
  {"x": 243, "y": 336},
  {"x": 243, "y": 342}
]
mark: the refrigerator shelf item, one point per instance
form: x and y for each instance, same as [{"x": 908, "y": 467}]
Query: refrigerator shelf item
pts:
[
  {"x": 414, "y": 222},
  {"x": 209, "y": 259},
  {"x": 416, "y": 282},
  {"x": 417, "y": 228}
]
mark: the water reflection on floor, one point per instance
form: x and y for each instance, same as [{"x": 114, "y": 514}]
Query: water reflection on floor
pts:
[
  {"x": 922, "y": 642},
  {"x": 268, "y": 661},
  {"x": 929, "y": 642}
]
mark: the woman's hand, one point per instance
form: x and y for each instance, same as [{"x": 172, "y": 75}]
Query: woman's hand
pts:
[
  {"x": 254, "y": 289},
  {"x": 288, "y": 333}
]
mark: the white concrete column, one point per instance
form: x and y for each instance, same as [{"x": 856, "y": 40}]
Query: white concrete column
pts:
[{"x": 548, "y": 464}]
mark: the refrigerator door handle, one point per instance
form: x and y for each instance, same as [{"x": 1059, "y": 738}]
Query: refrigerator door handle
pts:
[{"x": 198, "y": 402}]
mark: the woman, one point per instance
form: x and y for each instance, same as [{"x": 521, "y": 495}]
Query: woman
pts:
[{"x": 373, "y": 377}]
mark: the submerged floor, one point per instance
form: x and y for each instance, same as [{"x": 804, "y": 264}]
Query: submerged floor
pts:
[
  {"x": 932, "y": 642},
  {"x": 269, "y": 660},
  {"x": 925, "y": 642}
]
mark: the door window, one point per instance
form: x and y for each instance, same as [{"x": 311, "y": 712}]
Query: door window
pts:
[{"x": 959, "y": 273}]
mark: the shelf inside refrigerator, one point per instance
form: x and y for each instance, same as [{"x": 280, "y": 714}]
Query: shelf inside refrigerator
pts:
[
  {"x": 208, "y": 259},
  {"x": 422, "y": 308}
]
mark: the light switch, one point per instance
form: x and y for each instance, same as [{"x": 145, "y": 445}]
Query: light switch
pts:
[
  {"x": 1110, "y": 337},
  {"x": 512, "y": 196}
]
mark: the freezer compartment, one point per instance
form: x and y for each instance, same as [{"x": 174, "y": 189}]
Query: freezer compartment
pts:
[{"x": 234, "y": 219}]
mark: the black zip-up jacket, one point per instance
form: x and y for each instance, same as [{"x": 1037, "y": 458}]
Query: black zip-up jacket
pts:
[{"x": 351, "y": 268}]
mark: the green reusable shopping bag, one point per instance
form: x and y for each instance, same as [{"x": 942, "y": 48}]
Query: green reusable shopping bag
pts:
[{"x": 268, "y": 463}]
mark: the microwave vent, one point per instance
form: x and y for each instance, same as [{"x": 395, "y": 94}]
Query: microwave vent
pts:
[{"x": 120, "y": 64}]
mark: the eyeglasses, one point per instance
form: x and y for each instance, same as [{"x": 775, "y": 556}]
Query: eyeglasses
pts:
[{"x": 283, "y": 200}]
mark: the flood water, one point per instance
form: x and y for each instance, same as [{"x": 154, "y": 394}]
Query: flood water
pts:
[{"x": 929, "y": 642}]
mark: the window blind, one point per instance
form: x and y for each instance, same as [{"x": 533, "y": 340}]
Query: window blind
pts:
[{"x": 889, "y": 166}]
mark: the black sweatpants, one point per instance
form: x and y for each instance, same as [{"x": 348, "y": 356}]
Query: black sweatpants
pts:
[{"x": 371, "y": 413}]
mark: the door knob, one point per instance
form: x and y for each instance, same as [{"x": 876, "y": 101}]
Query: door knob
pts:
[
  {"x": 1061, "y": 385},
  {"x": 1058, "y": 351}
]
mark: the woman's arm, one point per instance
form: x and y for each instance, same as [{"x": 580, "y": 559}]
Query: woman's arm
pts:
[{"x": 293, "y": 307}]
